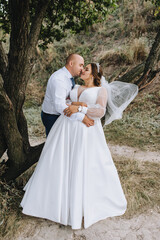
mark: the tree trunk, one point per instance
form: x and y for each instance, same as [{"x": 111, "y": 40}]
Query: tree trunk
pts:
[
  {"x": 147, "y": 69},
  {"x": 15, "y": 71},
  {"x": 132, "y": 74},
  {"x": 151, "y": 62},
  {"x": 32, "y": 157},
  {"x": 3, "y": 145}
]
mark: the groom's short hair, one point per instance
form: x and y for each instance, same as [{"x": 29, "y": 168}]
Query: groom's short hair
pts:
[{"x": 70, "y": 57}]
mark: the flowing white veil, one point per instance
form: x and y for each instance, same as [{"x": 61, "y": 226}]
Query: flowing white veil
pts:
[{"x": 120, "y": 95}]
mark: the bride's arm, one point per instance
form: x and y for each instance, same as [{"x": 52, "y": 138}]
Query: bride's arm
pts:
[
  {"x": 97, "y": 111},
  {"x": 93, "y": 111}
]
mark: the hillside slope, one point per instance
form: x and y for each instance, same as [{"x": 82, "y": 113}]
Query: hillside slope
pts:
[{"x": 120, "y": 43}]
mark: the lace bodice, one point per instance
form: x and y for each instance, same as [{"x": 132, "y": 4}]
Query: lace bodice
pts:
[{"x": 94, "y": 97}]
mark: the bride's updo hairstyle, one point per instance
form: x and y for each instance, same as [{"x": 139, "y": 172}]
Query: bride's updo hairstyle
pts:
[{"x": 96, "y": 75}]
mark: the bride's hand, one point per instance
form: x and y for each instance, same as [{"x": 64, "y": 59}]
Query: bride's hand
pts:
[
  {"x": 70, "y": 110},
  {"x": 83, "y": 104},
  {"x": 88, "y": 121}
]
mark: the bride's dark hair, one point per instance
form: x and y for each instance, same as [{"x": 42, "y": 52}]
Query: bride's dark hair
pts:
[{"x": 96, "y": 75}]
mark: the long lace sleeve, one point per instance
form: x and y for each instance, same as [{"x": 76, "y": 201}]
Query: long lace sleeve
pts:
[{"x": 97, "y": 111}]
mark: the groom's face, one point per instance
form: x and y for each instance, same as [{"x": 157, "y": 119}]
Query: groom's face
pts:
[{"x": 77, "y": 66}]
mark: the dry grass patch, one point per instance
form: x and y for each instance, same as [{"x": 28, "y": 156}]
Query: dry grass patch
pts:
[
  {"x": 35, "y": 125},
  {"x": 10, "y": 197},
  {"x": 34, "y": 94},
  {"x": 141, "y": 185},
  {"x": 133, "y": 52},
  {"x": 138, "y": 49}
]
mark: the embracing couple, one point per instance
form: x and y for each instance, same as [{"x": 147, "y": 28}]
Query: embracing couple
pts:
[
  {"x": 75, "y": 181},
  {"x": 58, "y": 89}
]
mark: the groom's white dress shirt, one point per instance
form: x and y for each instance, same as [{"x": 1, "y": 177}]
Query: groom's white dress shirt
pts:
[{"x": 58, "y": 88}]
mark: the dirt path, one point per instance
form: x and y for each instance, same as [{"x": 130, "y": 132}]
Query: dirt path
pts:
[
  {"x": 134, "y": 153},
  {"x": 142, "y": 227},
  {"x": 122, "y": 151}
]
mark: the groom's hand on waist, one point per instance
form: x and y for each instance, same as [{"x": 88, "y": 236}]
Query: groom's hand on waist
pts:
[
  {"x": 88, "y": 121},
  {"x": 70, "y": 110}
]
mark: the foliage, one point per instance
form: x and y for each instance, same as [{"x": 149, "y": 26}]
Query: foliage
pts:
[
  {"x": 156, "y": 2},
  {"x": 61, "y": 16}
]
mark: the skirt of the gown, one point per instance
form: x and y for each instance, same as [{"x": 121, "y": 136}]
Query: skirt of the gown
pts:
[{"x": 75, "y": 177}]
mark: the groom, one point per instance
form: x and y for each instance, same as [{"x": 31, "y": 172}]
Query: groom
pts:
[{"x": 58, "y": 88}]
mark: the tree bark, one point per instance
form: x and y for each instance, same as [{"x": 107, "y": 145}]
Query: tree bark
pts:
[
  {"x": 9, "y": 129},
  {"x": 3, "y": 145},
  {"x": 132, "y": 74},
  {"x": 3, "y": 61},
  {"x": 147, "y": 69},
  {"x": 32, "y": 157},
  {"x": 150, "y": 64},
  {"x": 13, "y": 125}
]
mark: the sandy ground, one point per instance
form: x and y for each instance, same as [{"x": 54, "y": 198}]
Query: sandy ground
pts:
[
  {"x": 134, "y": 153},
  {"x": 145, "y": 226},
  {"x": 141, "y": 227}
]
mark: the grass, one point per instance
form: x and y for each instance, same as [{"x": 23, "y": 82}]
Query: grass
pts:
[
  {"x": 33, "y": 115},
  {"x": 135, "y": 51},
  {"x": 10, "y": 198},
  {"x": 136, "y": 130},
  {"x": 141, "y": 185},
  {"x": 139, "y": 126}
]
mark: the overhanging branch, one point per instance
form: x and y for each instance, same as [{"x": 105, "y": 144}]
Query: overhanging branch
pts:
[
  {"x": 37, "y": 22},
  {"x": 132, "y": 74}
]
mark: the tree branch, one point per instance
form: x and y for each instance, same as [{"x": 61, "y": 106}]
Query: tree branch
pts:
[
  {"x": 153, "y": 55},
  {"x": 33, "y": 156},
  {"x": 132, "y": 74},
  {"x": 3, "y": 61},
  {"x": 37, "y": 23},
  {"x": 152, "y": 58},
  {"x": 19, "y": 18}
]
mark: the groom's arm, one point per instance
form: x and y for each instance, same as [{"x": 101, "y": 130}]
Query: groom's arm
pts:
[
  {"x": 58, "y": 90},
  {"x": 59, "y": 94}
]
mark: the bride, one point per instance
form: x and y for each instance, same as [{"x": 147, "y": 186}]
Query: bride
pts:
[{"x": 75, "y": 178}]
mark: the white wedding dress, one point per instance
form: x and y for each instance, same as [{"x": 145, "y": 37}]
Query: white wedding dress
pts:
[{"x": 75, "y": 176}]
